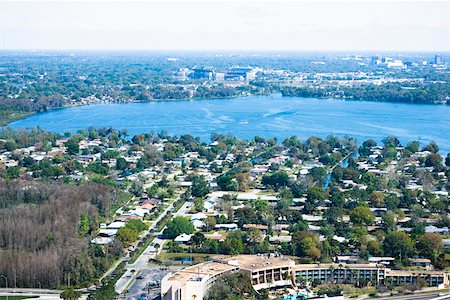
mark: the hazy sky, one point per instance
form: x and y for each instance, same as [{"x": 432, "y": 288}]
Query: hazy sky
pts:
[{"x": 226, "y": 25}]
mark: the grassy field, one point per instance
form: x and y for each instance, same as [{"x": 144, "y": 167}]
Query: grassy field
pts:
[
  {"x": 18, "y": 297},
  {"x": 169, "y": 256}
]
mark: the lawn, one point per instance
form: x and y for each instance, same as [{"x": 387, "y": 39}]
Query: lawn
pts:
[
  {"x": 18, "y": 297},
  {"x": 196, "y": 257}
]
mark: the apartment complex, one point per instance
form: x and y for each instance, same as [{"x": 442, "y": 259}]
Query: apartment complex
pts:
[
  {"x": 361, "y": 274},
  {"x": 365, "y": 274},
  {"x": 277, "y": 271}
]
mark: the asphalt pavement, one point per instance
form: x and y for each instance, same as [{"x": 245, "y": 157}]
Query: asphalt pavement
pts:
[
  {"x": 418, "y": 297},
  {"x": 135, "y": 269}
]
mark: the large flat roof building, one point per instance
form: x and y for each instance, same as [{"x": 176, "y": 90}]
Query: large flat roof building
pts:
[
  {"x": 193, "y": 282},
  {"x": 273, "y": 271},
  {"x": 240, "y": 73}
]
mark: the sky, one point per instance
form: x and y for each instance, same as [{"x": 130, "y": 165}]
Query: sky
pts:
[{"x": 362, "y": 25}]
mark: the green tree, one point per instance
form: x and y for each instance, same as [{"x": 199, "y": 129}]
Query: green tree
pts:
[
  {"x": 121, "y": 163},
  {"x": 109, "y": 154},
  {"x": 200, "y": 187},
  {"x": 72, "y": 145},
  {"x": 374, "y": 248},
  {"x": 389, "y": 221},
  {"x": 98, "y": 168},
  {"x": 433, "y": 160},
  {"x": 398, "y": 244},
  {"x": 432, "y": 147},
  {"x": 137, "y": 225},
  {"x": 12, "y": 172},
  {"x": 177, "y": 226},
  {"x": 83, "y": 227},
  {"x": 70, "y": 294},
  {"x": 306, "y": 244},
  {"x": 231, "y": 287},
  {"x": 10, "y": 145},
  {"x": 106, "y": 292},
  {"x": 276, "y": 180},
  {"x": 127, "y": 235},
  {"x": 233, "y": 244},
  {"x": 362, "y": 215},
  {"x": 391, "y": 201},
  {"x": 377, "y": 199},
  {"x": 413, "y": 146},
  {"x": 227, "y": 182},
  {"x": 210, "y": 223},
  {"x": 260, "y": 205},
  {"x": 391, "y": 142},
  {"x": 199, "y": 204},
  {"x": 316, "y": 194},
  {"x": 430, "y": 245}
]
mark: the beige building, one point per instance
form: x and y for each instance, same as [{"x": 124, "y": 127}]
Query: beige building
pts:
[
  {"x": 277, "y": 271},
  {"x": 193, "y": 282},
  {"x": 365, "y": 274},
  {"x": 265, "y": 271}
]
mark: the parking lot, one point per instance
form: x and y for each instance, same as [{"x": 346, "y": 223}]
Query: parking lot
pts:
[{"x": 147, "y": 282}]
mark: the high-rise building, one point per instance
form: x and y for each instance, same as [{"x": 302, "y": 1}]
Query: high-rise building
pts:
[
  {"x": 376, "y": 60},
  {"x": 437, "y": 59}
]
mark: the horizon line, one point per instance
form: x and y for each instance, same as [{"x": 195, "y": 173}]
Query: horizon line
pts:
[{"x": 217, "y": 50}]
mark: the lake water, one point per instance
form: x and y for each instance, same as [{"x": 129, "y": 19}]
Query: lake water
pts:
[{"x": 266, "y": 116}]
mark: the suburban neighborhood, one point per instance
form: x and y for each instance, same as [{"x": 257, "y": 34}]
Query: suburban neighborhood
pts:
[{"x": 321, "y": 213}]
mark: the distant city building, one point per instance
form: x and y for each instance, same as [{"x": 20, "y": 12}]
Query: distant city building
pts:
[
  {"x": 202, "y": 73},
  {"x": 437, "y": 59},
  {"x": 219, "y": 76},
  {"x": 388, "y": 63},
  {"x": 410, "y": 64},
  {"x": 183, "y": 72},
  {"x": 240, "y": 73},
  {"x": 376, "y": 60}
]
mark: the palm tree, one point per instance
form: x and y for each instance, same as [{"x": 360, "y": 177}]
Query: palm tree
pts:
[
  {"x": 331, "y": 270},
  {"x": 354, "y": 273},
  {"x": 287, "y": 276}
]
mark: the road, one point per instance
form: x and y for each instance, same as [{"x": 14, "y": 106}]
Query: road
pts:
[
  {"x": 135, "y": 269},
  {"x": 417, "y": 297},
  {"x": 117, "y": 263},
  {"x": 148, "y": 283}
]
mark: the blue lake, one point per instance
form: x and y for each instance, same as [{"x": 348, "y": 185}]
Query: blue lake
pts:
[{"x": 266, "y": 116}]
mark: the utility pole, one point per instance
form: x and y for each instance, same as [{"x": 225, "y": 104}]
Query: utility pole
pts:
[{"x": 15, "y": 278}]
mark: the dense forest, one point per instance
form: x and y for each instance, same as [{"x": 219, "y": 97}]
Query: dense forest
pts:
[{"x": 45, "y": 229}]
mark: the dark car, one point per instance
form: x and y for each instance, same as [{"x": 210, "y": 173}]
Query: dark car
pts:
[{"x": 143, "y": 297}]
